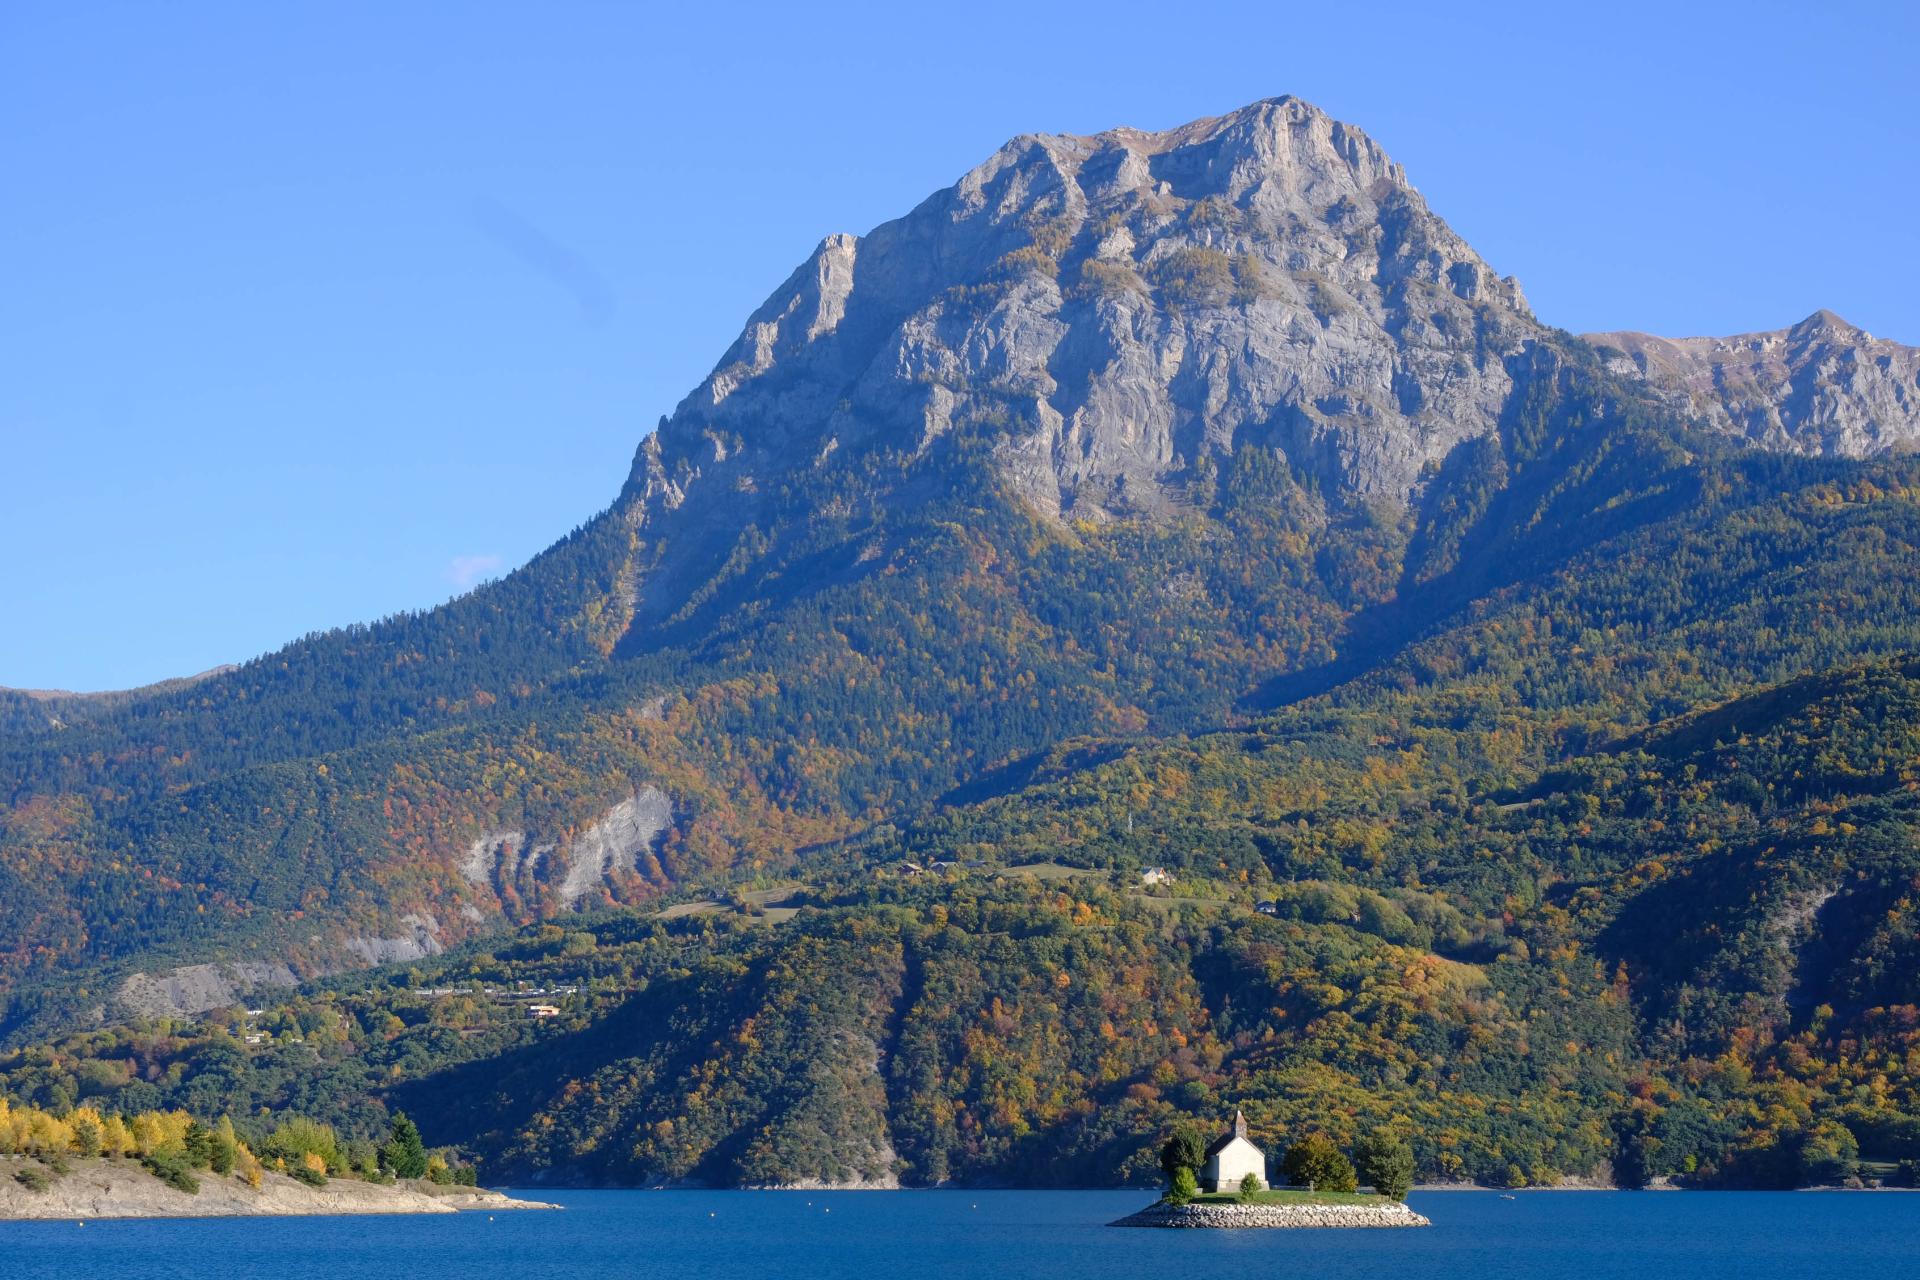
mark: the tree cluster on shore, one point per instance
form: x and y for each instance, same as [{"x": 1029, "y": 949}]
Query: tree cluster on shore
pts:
[{"x": 176, "y": 1148}]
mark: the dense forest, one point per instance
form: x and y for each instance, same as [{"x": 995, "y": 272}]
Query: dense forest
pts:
[
  {"x": 1047, "y": 1024},
  {"x": 1679, "y": 954}
]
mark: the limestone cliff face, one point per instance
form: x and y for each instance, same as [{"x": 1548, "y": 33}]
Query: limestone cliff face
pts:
[
  {"x": 1822, "y": 386},
  {"x": 1131, "y": 302},
  {"x": 607, "y": 849},
  {"x": 1112, "y": 316},
  {"x": 1115, "y": 315}
]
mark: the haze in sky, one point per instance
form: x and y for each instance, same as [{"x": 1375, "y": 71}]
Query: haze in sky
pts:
[{"x": 312, "y": 313}]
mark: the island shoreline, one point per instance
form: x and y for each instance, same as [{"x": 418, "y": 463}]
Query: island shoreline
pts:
[{"x": 1275, "y": 1217}]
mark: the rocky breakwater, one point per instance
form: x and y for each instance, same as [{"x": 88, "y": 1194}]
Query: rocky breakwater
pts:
[{"x": 1387, "y": 1213}]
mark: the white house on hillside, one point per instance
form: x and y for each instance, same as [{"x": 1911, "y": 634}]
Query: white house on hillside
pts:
[{"x": 1231, "y": 1158}]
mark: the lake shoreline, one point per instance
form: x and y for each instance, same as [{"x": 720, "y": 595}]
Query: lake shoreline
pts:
[{"x": 117, "y": 1189}]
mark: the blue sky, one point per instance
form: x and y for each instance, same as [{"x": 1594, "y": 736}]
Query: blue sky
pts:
[{"x": 309, "y": 314}]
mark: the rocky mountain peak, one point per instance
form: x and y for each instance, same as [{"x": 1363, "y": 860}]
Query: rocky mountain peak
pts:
[
  {"x": 1121, "y": 311},
  {"x": 1277, "y": 154},
  {"x": 1824, "y": 323},
  {"x": 1113, "y": 318},
  {"x": 1822, "y": 386}
]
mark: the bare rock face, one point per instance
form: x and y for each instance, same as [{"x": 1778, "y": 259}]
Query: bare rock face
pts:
[
  {"x": 196, "y": 988},
  {"x": 522, "y": 865},
  {"x": 616, "y": 843},
  {"x": 420, "y": 939},
  {"x": 502, "y": 857},
  {"x": 1113, "y": 316},
  {"x": 1821, "y": 387}
]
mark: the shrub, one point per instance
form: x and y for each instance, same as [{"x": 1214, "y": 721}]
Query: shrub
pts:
[
  {"x": 1249, "y": 1186},
  {"x": 1324, "y": 298},
  {"x": 1104, "y": 279},
  {"x": 171, "y": 1168},
  {"x": 1028, "y": 261},
  {"x": 1183, "y": 1187},
  {"x": 32, "y": 1179},
  {"x": 1195, "y": 277}
]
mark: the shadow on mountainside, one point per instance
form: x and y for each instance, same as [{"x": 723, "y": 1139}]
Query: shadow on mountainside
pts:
[{"x": 1579, "y": 461}]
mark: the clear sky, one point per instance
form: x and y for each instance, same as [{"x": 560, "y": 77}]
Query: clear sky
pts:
[{"x": 311, "y": 313}]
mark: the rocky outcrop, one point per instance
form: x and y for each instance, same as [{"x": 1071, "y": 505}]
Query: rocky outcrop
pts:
[
  {"x": 1282, "y": 1216},
  {"x": 121, "y": 1189},
  {"x": 512, "y": 862},
  {"x": 1821, "y": 387},
  {"x": 196, "y": 988},
  {"x": 615, "y": 843},
  {"x": 1112, "y": 317},
  {"x": 420, "y": 940}
]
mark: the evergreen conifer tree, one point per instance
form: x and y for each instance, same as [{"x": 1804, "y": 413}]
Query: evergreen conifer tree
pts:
[{"x": 404, "y": 1153}]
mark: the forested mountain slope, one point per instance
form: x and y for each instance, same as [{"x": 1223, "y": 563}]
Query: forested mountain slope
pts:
[
  {"x": 1193, "y": 499},
  {"x": 1091, "y": 442}
]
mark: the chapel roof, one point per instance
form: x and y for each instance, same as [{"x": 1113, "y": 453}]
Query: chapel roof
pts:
[{"x": 1239, "y": 1130}]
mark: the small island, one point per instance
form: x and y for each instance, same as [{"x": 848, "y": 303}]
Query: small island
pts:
[{"x": 1225, "y": 1186}]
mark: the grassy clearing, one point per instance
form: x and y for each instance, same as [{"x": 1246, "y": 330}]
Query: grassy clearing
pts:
[
  {"x": 760, "y": 904},
  {"x": 681, "y": 910},
  {"x": 1050, "y": 871},
  {"x": 774, "y": 896}
]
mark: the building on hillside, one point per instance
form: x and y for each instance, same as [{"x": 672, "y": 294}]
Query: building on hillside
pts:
[
  {"x": 543, "y": 1011},
  {"x": 1156, "y": 875},
  {"x": 1231, "y": 1158}
]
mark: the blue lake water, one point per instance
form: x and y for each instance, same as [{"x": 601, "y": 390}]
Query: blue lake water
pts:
[{"x": 961, "y": 1235}]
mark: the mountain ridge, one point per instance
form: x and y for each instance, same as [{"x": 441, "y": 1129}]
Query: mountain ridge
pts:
[
  {"x": 1531, "y": 750},
  {"x": 1246, "y": 332},
  {"x": 1819, "y": 386},
  {"x": 831, "y": 356}
]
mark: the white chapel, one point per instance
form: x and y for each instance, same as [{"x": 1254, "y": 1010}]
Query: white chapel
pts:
[{"x": 1231, "y": 1158}]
